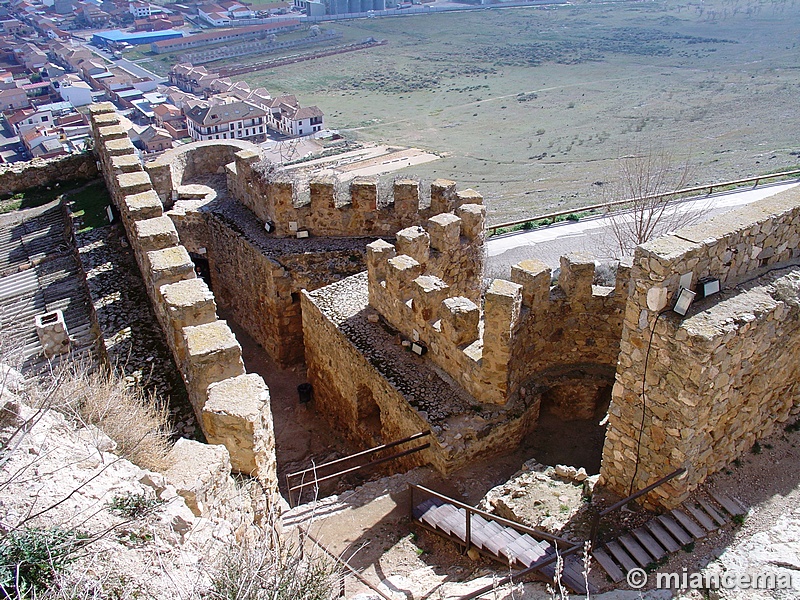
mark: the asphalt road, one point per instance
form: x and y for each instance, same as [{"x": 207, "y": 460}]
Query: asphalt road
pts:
[{"x": 593, "y": 235}]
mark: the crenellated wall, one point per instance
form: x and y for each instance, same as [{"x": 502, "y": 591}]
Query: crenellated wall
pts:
[
  {"x": 322, "y": 207},
  {"x": 427, "y": 286},
  {"x": 232, "y": 406},
  {"x": 715, "y": 381}
]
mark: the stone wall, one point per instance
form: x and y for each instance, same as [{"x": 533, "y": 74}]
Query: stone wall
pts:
[
  {"x": 723, "y": 376},
  {"x": 324, "y": 207},
  {"x": 16, "y": 177},
  {"x": 427, "y": 286},
  {"x": 372, "y": 389},
  {"x": 232, "y": 407},
  {"x": 178, "y": 165}
]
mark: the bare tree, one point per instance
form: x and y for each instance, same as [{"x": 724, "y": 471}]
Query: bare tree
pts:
[{"x": 646, "y": 179}]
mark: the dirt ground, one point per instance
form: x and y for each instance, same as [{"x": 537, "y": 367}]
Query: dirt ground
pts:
[{"x": 532, "y": 106}]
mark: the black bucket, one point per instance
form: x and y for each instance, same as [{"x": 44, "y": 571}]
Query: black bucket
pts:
[{"x": 304, "y": 392}]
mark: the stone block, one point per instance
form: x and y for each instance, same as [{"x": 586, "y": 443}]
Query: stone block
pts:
[
  {"x": 443, "y": 196},
  {"x": 468, "y": 197},
  {"x": 106, "y": 119},
  {"x": 248, "y": 156},
  {"x": 401, "y": 271},
  {"x": 364, "y": 194},
  {"x": 323, "y": 193},
  {"x": 111, "y": 132},
  {"x": 378, "y": 253},
  {"x": 414, "y": 242},
  {"x": 200, "y": 474},
  {"x": 133, "y": 183},
  {"x": 473, "y": 217},
  {"x": 169, "y": 265},
  {"x": 237, "y": 415},
  {"x": 428, "y": 292},
  {"x": 445, "y": 231},
  {"x": 406, "y": 197},
  {"x": 101, "y": 108},
  {"x": 127, "y": 163},
  {"x": 51, "y": 328},
  {"x": 577, "y": 274},
  {"x": 155, "y": 234},
  {"x": 459, "y": 318},
  {"x": 145, "y": 205},
  {"x": 189, "y": 303},
  {"x": 212, "y": 354},
  {"x": 119, "y": 147},
  {"x": 534, "y": 276},
  {"x": 502, "y": 306}
]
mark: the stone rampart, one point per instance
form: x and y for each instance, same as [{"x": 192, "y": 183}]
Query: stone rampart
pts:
[
  {"x": 715, "y": 381},
  {"x": 178, "y": 165},
  {"x": 205, "y": 350},
  {"x": 323, "y": 207},
  {"x": 427, "y": 286},
  {"x": 16, "y": 177}
]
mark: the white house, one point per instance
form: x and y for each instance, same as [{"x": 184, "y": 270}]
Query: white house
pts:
[
  {"x": 140, "y": 10},
  {"x": 75, "y": 91},
  {"x": 231, "y": 120},
  {"x": 288, "y": 117},
  {"x": 224, "y": 13}
]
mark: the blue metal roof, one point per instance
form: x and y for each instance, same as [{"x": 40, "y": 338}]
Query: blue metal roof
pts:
[{"x": 138, "y": 37}]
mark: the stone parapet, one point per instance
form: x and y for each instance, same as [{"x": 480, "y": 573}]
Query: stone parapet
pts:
[{"x": 205, "y": 349}]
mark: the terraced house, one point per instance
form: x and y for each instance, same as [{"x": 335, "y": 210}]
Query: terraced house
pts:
[{"x": 234, "y": 120}]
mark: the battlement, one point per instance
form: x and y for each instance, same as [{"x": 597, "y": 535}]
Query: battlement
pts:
[
  {"x": 411, "y": 286},
  {"x": 327, "y": 206},
  {"x": 205, "y": 349}
]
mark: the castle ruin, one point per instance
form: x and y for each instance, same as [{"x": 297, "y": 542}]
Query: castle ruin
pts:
[{"x": 382, "y": 295}]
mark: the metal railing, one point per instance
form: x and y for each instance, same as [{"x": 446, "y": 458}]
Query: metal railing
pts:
[
  {"x": 624, "y": 501},
  {"x": 316, "y": 477},
  {"x": 471, "y": 510},
  {"x": 709, "y": 189},
  {"x": 563, "y": 547}
]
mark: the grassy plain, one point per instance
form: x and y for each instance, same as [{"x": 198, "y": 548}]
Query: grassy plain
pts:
[{"x": 532, "y": 106}]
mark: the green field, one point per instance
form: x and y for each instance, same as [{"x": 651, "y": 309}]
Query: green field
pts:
[{"x": 532, "y": 106}]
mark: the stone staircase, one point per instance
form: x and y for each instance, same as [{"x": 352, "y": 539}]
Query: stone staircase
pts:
[
  {"x": 500, "y": 542},
  {"x": 666, "y": 534}
]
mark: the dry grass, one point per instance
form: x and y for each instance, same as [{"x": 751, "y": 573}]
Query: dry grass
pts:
[{"x": 137, "y": 421}]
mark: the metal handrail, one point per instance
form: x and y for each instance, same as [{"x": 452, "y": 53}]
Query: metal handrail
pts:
[
  {"x": 492, "y": 229},
  {"x": 634, "y": 496},
  {"x": 315, "y": 469},
  {"x": 472, "y": 510}
]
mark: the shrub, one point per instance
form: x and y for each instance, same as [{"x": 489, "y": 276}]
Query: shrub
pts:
[
  {"x": 261, "y": 567},
  {"x": 137, "y": 421},
  {"x": 134, "y": 506},
  {"x": 31, "y": 557}
]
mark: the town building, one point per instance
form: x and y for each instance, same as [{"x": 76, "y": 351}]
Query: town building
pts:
[{"x": 231, "y": 120}]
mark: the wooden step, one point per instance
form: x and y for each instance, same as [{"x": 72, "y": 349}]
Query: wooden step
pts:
[
  {"x": 730, "y": 504},
  {"x": 701, "y": 517},
  {"x": 662, "y": 536},
  {"x": 693, "y": 528},
  {"x": 609, "y": 566},
  {"x": 674, "y": 529},
  {"x": 635, "y": 550},
  {"x": 621, "y": 556},
  {"x": 721, "y": 520},
  {"x": 649, "y": 543}
]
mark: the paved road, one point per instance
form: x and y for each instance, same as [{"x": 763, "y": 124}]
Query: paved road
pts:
[{"x": 593, "y": 235}]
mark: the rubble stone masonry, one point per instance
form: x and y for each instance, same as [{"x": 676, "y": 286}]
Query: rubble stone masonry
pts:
[{"x": 725, "y": 375}]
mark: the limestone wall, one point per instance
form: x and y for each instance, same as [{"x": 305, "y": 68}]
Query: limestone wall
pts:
[
  {"x": 427, "y": 286},
  {"x": 321, "y": 208},
  {"x": 16, "y": 177},
  {"x": 170, "y": 170},
  {"x": 723, "y": 376},
  {"x": 232, "y": 407}
]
